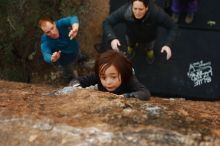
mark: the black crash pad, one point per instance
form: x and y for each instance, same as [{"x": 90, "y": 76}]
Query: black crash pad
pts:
[{"x": 193, "y": 71}]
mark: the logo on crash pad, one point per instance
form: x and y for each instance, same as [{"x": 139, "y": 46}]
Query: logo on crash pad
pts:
[{"x": 200, "y": 73}]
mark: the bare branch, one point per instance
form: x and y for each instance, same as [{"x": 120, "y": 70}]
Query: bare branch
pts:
[{"x": 10, "y": 23}]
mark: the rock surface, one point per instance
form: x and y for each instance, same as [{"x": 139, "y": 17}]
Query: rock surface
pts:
[{"x": 33, "y": 115}]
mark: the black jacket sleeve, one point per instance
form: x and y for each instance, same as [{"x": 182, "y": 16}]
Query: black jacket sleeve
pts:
[
  {"x": 114, "y": 18},
  {"x": 88, "y": 80},
  {"x": 138, "y": 90}
]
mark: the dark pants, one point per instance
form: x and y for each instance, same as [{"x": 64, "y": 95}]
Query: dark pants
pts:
[
  {"x": 189, "y": 6},
  {"x": 145, "y": 46},
  {"x": 66, "y": 64},
  {"x": 67, "y": 72}
]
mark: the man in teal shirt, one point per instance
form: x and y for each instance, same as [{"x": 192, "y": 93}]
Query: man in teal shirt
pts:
[{"x": 59, "y": 44}]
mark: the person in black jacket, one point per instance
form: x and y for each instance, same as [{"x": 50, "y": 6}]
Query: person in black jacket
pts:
[
  {"x": 142, "y": 19},
  {"x": 114, "y": 73}
]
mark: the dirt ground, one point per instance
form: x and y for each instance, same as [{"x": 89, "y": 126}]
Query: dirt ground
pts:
[{"x": 159, "y": 121}]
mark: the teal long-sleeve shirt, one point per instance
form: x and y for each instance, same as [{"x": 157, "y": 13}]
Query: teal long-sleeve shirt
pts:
[{"x": 69, "y": 48}]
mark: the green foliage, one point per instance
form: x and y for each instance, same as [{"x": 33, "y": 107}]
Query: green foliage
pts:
[
  {"x": 8, "y": 57},
  {"x": 15, "y": 74},
  {"x": 70, "y": 7},
  {"x": 3, "y": 2}
]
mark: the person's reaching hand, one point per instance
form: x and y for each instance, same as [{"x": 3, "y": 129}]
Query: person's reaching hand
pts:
[
  {"x": 115, "y": 44},
  {"x": 74, "y": 31},
  {"x": 55, "y": 56},
  {"x": 167, "y": 50}
]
